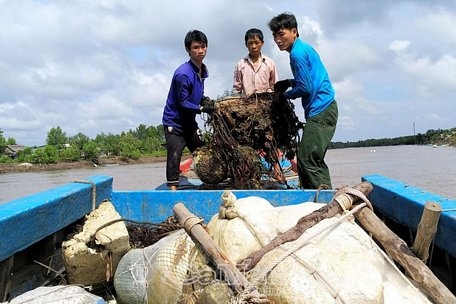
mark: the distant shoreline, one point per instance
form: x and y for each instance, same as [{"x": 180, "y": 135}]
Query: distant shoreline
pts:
[{"x": 26, "y": 167}]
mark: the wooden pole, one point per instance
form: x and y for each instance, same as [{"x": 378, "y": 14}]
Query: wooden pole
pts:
[
  {"x": 426, "y": 230},
  {"x": 5, "y": 278},
  {"x": 398, "y": 250},
  {"x": 304, "y": 223},
  {"x": 192, "y": 224}
]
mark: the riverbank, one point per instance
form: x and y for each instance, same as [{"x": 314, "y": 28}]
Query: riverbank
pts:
[{"x": 27, "y": 167}]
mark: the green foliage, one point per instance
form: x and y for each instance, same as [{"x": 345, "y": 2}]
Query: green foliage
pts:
[
  {"x": 46, "y": 155},
  {"x": 3, "y": 143},
  {"x": 4, "y": 159},
  {"x": 130, "y": 151},
  {"x": 90, "y": 151},
  {"x": 25, "y": 155},
  {"x": 78, "y": 141},
  {"x": 71, "y": 154},
  {"x": 130, "y": 146},
  {"x": 149, "y": 141},
  {"x": 56, "y": 137},
  {"x": 439, "y": 137},
  {"x": 109, "y": 144}
]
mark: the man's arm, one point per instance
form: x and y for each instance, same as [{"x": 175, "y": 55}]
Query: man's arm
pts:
[
  {"x": 237, "y": 80},
  {"x": 183, "y": 94}
]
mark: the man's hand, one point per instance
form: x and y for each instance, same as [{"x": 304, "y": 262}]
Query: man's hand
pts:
[
  {"x": 207, "y": 102},
  {"x": 282, "y": 85},
  {"x": 207, "y": 109}
]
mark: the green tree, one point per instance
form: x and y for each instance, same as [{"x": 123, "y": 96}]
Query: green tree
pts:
[
  {"x": 46, "y": 155},
  {"x": 56, "y": 137},
  {"x": 130, "y": 151},
  {"x": 78, "y": 140},
  {"x": 154, "y": 141},
  {"x": 25, "y": 155},
  {"x": 3, "y": 143},
  {"x": 91, "y": 151},
  {"x": 141, "y": 132},
  {"x": 109, "y": 144},
  {"x": 70, "y": 154},
  {"x": 11, "y": 141}
]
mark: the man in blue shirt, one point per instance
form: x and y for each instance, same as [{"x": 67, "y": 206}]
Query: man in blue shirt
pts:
[
  {"x": 312, "y": 84},
  {"x": 185, "y": 100}
]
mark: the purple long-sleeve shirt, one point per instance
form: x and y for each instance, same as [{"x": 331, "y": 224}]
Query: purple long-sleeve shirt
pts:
[{"x": 185, "y": 94}]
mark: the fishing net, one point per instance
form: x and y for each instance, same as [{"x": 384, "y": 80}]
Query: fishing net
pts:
[
  {"x": 143, "y": 234},
  {"x": 156, "y": 273},
  {"x": 240, "y": 127},
  {"x": 62, "y": 294}
]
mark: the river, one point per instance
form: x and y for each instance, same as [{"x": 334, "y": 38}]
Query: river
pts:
[{"x": 430, "y": 168}]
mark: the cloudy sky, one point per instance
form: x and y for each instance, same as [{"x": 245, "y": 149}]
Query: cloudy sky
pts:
[{"x": 105, "y": 66}]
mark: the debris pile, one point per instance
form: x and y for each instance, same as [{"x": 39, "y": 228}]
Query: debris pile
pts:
[
  {"x": 92, "y": 255},
  {"x": 240, "y": 128},
  {"x": 333, "y": 259}
]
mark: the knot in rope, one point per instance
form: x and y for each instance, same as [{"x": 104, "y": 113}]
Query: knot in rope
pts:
[
  {"x": 228, "y": 209},
  {"x": 252, "y": 296},
  {"x": 344, "y": 200},
  {"x": 191, "y": 221}
]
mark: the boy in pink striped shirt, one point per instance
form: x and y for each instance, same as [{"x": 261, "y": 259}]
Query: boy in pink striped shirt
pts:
[{"x": 254, "y": 73}]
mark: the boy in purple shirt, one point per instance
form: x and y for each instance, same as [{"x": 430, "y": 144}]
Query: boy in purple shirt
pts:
[{"x": 183, "y": 103}]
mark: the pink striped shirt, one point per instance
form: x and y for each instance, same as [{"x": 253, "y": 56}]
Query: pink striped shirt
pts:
[{"x": 248, "y": 80}]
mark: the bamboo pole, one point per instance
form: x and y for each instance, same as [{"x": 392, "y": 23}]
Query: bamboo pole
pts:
[
  {"x": 304, "y": 223},
  {"x": 235, "y": 278},
  {"x": 5, "y": 278},
  {"x": 427, "y": 229},
  {"x": 398, "y": 250}
]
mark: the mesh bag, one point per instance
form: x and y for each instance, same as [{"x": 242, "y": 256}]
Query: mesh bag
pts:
[
  {"x": 62, "y": 294},
  {"x": 154, "y": 274}
]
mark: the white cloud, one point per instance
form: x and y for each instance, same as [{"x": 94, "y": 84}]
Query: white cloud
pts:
[
  {"x": 399, "y": 46},
  {"x": 105, "y": 66}
]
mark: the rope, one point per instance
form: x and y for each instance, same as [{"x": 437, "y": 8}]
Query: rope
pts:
[
  {"x": 320, "y": 277},
  {"x": 322, "y": 186},
  {"x": 247, "y": 297},
  {"x": 94, "y": 191},
  {"x": 449, "y": 210},
  {"x": 191, "y": 221},
  {"x": 161, "y": 225},
  {"x": 295, "y": 246},
  {"x": 344, "y": 200}
]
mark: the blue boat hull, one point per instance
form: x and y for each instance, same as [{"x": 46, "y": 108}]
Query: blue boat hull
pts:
[{"x": 35, "y": 218}]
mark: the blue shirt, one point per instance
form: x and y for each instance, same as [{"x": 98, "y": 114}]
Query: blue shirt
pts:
[
  {"x": 185, "y": 94},
  {"x": 311, "y": 80}
]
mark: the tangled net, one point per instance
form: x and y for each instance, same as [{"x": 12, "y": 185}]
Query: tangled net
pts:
[
  {"x": 241, "y": 127},
  {"x": 145, "y": 234}
]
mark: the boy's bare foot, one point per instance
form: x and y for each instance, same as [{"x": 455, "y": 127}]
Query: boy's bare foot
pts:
[
  {"x": 172, "y": 188},
  {"x": 279, "y": 177}
]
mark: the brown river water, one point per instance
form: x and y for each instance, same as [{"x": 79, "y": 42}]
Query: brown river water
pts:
[{"x": 431, "y": 168}]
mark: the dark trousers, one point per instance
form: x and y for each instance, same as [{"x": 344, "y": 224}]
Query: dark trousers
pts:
[
  {"x": 317, "y": 134},
  {"x": 175, "y": 145}
]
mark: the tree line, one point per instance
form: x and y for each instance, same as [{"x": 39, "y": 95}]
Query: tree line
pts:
[
  {"x": 144, "y": 141},
  {"x": 431, "y": 137},
  {"x": 148, "y": 141}
]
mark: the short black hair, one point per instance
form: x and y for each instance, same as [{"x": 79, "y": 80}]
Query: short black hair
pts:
[
  {"x": 252, "y": 33},
  {"x": 283, "y": 21},
  {"x": 196, "y": 36}
]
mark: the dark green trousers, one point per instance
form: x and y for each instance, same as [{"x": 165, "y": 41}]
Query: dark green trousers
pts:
[{"x": 317, "y": 134}]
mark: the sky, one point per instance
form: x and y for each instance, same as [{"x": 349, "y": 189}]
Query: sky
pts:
[{"x": 105, "y": 66}]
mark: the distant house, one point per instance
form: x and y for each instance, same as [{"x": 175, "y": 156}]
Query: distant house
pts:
[{"x": 11, "y": 150}]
